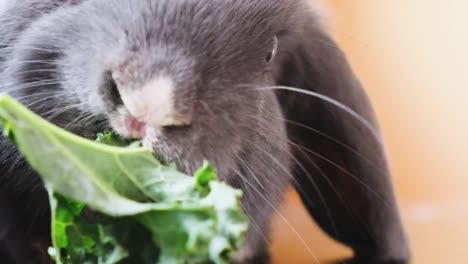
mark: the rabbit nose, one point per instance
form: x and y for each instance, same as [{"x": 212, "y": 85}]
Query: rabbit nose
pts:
[{"x": 154, "y": 103}]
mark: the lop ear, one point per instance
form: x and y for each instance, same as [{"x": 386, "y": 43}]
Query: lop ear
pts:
[{"x": 341, "y": 171}]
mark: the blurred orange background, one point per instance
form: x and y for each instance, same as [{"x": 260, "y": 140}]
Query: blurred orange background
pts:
[{"x": 412, "y": 56}]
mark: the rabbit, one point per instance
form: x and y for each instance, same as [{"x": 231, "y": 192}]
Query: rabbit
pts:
[{"x": 257, "y": 87}]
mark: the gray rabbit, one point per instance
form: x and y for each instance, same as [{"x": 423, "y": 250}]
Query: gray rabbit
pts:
[{"x": 257, "y": 87}]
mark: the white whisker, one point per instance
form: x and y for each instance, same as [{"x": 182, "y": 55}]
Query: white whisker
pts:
[
  {"x": 269, "y": 181},
  {"x": 346, "y": 146},
  {"x": 251, "y": 172},
  {"x": 309, "y": 177},
  {"x": 338, "y": 104},
  {"x": 55, "y": 112},
  {"x": 88, "y": 117},
  {"x": 283, "y": 218},
  {"x": 21, "y": 98},
  {"x": 25, "y": 48},
  {"x": 80, "y": 116},
  {"x": 42, "y": 99},
  {"x": 36, "y": 71},
  {"x": 343, "y": 170},
  {"x": 332, "y": 186},
  {"x": 31, "y": 85}
]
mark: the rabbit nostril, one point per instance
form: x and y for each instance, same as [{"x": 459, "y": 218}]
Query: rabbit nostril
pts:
[
  {"x": 114, "y": 91},
  {"x": 110, "y": 92}
]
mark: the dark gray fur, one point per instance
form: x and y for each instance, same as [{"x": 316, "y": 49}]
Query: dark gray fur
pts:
[{"x": 215, "y": 50}]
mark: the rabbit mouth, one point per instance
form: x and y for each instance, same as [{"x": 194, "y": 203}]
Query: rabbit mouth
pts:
[{"x": 132, "y": 128}]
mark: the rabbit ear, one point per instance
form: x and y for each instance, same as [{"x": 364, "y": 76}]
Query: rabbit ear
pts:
[{"x": 341, "y": 172}]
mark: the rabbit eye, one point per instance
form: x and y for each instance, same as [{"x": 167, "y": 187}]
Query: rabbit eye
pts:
[{"x": 271, "y": 54}]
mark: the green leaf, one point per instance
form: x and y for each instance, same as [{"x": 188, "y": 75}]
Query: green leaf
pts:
[
  {"x": 7, "y": 128},
  {"x": 204, "y": 176},
  {"x": 152, "y": 213},
  {"x": 83, "y": 242}
]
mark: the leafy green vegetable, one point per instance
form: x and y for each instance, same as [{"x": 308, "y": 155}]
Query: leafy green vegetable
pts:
[{"x": 150, "y": 212}]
